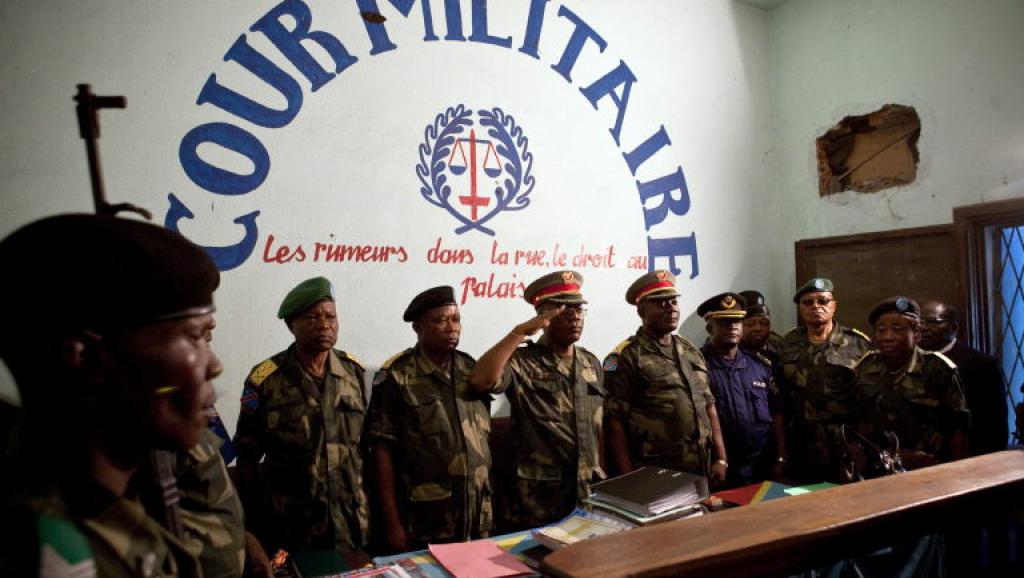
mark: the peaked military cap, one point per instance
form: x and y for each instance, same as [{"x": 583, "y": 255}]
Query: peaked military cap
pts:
[
  {"x": 723, "y": 306},
  {"x": 427, "y": 300},
  {"x": 305, "y": 295},
  {"x": 817, "y": 284},
  {"x": 658, "y": 284},
  {"x": 756, "y": 306},
  {"x": 903, "y": 305},
  {"x": 559, "y": 287},
  {"x": 83, "y": 271}
]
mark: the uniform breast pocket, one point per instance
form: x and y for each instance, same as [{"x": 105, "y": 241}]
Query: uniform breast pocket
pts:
[
  {"x": 426, "y": 412},
  {"x": 545, "y": 397},
  {"x": 759, "y": 397},
  {"x": 351, "y": 411},
  {"x": 290, "y": 424}
]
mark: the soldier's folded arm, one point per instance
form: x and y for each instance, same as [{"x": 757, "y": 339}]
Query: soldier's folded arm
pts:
[{"x": 487, "y": 374}]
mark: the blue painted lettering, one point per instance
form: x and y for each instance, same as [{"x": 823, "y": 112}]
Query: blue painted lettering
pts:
[
  {"x": 215, "y": 179},
  {"x": 672, "y": 248},
  {"x": 228, "y": 257},
  {"x": 605, "y": 86},
  {"x": 230, "y": 101},
  {"x": 580, "y": 34},
  {"x": 480, "y": 27}
]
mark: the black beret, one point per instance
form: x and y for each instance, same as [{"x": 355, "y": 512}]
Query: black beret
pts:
[
  {"x": 902, "y": 305},
  {"x": 752, "y": 297},
  {"x": 723, "y": 305},
  {"x": 818, "y": 284},
  {"x": 429, "y": 299},
  {"x": 80, "y": 271}
]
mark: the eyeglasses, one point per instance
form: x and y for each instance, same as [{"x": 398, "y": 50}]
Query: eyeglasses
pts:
[
  {"x": 819, "y": 301},
  {"x": 573, "y": 311}
]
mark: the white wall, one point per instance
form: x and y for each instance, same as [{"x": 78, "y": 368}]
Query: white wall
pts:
[
  {"x": 343, "y": 169},
  {"x": 960, "y": 64}
]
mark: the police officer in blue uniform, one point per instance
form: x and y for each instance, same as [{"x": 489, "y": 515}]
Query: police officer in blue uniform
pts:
[{"x": 748, "y": 403}]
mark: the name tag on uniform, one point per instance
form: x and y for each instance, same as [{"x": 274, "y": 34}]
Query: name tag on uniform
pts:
[{"x": 760, "y": 384}]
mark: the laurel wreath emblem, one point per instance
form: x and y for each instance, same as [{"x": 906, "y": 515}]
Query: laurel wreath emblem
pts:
[{"x": 512, "y": 147}]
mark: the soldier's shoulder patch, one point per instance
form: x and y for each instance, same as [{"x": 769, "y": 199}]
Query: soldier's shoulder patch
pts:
[
  {"x": 856, "y": 331},
  {"x": 350, "y": 357},
  {"x": 943, "y": 357},
  {"x": 611, "y": 363},
  {"x": 262, "y": 371},
  {"x": 250, "y": 399},
  {"x": 380, "y": 376}
]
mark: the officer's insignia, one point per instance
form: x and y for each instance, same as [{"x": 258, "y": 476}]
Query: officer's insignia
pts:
[
  {"x": 902, "y": 305},
  {"x": 262, "y": 372},
  {"x": 661, "y": 275},
  {"x": 728, "y": 302},
  {"x": 250, "y": 399},
  {"x": 488, "y": 169},
  {"x": 819, "y": 283},
  {"x": 567, "y": 276},
  {"x": 611, "y": 363},
  {"x": 380, "y": 376}
]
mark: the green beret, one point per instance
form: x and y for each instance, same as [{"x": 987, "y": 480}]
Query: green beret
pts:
[
  {"x": 305, "y": 295},
  {"x": 903, "y": 305},
  {"x": 818, "y": 284},
  {"x": 558, "y": 287},
  {"x": 81, "y": 271},
  {"x": 429, "y": 299},
  {"x": 658, "y": 284},
  {"x": 724, "y": 306}
]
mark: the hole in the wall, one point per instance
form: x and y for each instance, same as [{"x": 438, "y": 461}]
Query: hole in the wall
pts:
[{"x": 871, "y": 152}]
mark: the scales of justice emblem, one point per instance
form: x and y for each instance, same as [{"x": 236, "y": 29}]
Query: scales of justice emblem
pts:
[{"x": 475, "y": 176}]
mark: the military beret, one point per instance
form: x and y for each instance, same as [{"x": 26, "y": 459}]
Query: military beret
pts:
[
  {"x": 429, "y": 299},
  {"x": 658, "y": 284},
  {"x": 902, "y": 305},
  {"x": 81, "y": 271},
  {"x": 818, "y": 284},
  {"x": 559, "y": 287},
  {"x": 723, "y": 306},
  {"x": 756, "y": 306},
  {"x": 305, "y": 295}
]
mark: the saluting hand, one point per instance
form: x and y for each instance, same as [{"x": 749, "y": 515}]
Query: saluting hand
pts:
[{"x": 541, "y": 321}]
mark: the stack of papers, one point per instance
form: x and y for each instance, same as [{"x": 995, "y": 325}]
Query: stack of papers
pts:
[
  {"x": 651, "y": 491},
  {"x": 580, "y": 525}
]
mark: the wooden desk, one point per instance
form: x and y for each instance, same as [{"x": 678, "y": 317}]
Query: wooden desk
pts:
[{"x": 790, "y": 535}]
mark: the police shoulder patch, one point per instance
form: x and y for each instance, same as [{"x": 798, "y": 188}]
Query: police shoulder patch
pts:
[
  {"x": 262, "y": 371},
  {"x": 943, "y": 357},
  {"x": 352, "y": 358},
  {"x": 380, "y": 376}
]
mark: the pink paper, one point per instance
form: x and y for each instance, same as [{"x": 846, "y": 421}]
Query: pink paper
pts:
[{"x": 478, "y": 559}]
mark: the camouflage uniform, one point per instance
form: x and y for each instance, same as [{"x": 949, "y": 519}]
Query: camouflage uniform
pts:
[
  {"x": 308, "y": 429},
  {"x": 922, "y": 403},
  {"x": 818, "y": 385},
  {"x": 210, "y": 509},
  {"x": 662, "y": 401},
  {"x": 556, "y": 430},
  {"x": 437, "y": 428}
]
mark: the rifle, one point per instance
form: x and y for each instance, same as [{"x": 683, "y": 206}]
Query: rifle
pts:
[
  {"x": 162, "y": 463},
  {"x": 877, "y": 462}
]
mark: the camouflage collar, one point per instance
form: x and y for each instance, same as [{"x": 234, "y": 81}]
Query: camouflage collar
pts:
[
  {"x": 426, "y": 366},
  {"x": 650, "y": 344}
]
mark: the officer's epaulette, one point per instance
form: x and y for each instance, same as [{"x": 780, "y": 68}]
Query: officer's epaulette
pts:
[
  {"x": 625, "y": 343},
  {"x": 387, "y": 364},
  {"x": 859, "y": 332},
  {"x": 866, "y": 355},
  {"x": 352, "y": 358},
  {"x": 943, "y": 357},
  {"x": 762, "y": 359},
  {"x": 262, "y": 371}
]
